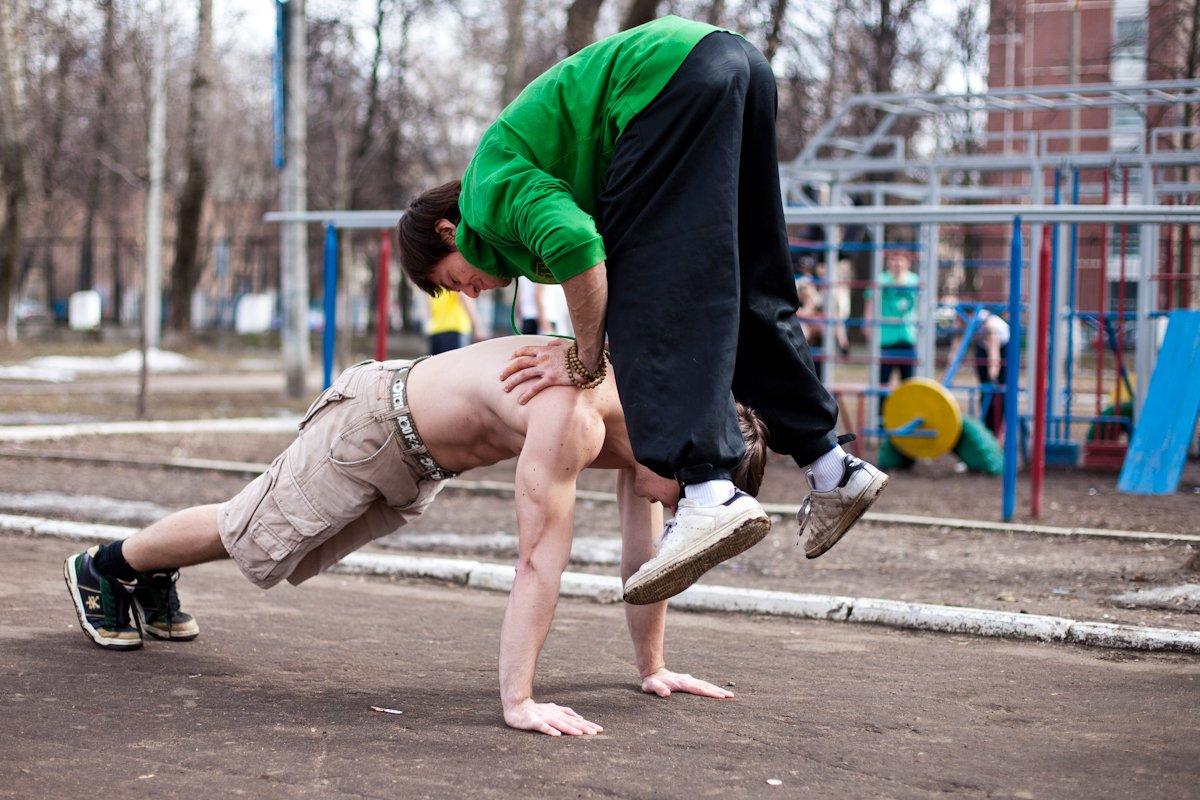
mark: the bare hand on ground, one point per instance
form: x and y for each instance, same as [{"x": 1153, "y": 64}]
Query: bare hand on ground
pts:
[
  {"x": 538, "y": 367},
  {"x": 662, "y": 682},
  {"x": 550, "y": 719}
]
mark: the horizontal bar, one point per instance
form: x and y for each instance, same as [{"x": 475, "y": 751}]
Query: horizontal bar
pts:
[
  {"x": 1001, "y": 214},
  {"x": 339, "y": 219}
]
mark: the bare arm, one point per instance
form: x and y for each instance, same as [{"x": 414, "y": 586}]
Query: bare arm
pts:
[
  {"x": 641, "y": 520},
  {"x": 587, "y": 300},
  {"x": 564, "y": 439},
  {"x": 993, "y": 356}
]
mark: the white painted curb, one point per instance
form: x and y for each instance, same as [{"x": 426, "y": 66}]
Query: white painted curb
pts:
[
  {"x": 607, "y": 589},
  {"x": 30, "y": 433}
]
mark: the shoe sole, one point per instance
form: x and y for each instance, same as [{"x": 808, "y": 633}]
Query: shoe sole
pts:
[
  {"x": 852, "y": 515},
  {"x": 94, "y": 635},
  {"x": 671, "y": 579},
  {"x": 173, "y": 636}
]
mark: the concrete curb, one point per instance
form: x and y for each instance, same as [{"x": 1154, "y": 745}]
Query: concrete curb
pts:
[
  {"x": 29, "y": 433},
  {"x": 724, "y": 599}
]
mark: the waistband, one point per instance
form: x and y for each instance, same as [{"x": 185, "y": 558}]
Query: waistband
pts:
[{"x": 410, "y": 440}]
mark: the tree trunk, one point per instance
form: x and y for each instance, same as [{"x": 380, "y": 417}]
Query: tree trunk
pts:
[
  {"x": 716, "y": 12},
  {"x": 185, "y": 273},
  {"x": 12, "y": 161},
  {"x": 366, "y": 137},
  {"x": 514, "y": 50},
  {"x": 639, "y": 13},
  {"x": 581, "y": 24},
  {"x": 833, "y": 80},
  {"x": 100, "y": 128},
  {"x": 775, "y": 33}
]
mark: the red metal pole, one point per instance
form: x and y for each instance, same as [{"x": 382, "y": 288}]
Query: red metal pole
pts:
[
  {"x": 1185, "y": 264},
  {"x": 381, "y": 315},
  {"x": 1037, "y": 449},
  {"x": 1165, "y": 292}
]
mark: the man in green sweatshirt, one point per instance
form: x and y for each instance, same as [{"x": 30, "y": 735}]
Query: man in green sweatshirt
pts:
[{"x": 641, "y": 174}]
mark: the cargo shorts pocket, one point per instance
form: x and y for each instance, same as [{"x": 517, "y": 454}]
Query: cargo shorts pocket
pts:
[
  {"x": 298, "y": 525},
  {"x": 340, "y": 390}
]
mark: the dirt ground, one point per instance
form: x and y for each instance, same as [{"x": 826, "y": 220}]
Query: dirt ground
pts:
[{"x": 273, "y": 701}]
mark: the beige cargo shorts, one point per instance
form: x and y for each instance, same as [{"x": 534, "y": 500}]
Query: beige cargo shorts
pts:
[{"x": 357, "y": 471}]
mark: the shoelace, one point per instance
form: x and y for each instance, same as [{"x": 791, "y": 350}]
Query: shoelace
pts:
[
  {"x": 668, "y": 529},
  {"x": 123, "y": 597},
  {"x": 165, "y": 596}
]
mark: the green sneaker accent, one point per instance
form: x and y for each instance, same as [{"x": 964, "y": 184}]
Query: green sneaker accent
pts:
[
  {"x": 159, "y": 603},
  {"x": 104, "y": 607}
]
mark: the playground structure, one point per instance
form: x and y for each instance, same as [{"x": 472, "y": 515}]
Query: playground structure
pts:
[{"x": 1108, "y": 216}]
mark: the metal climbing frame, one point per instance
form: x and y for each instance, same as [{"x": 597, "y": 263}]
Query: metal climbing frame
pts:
[
  {"x": 881, "y": 178},
  {"x": 1007, "y": 171}
]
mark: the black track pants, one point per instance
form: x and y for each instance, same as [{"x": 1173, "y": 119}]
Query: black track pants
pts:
[{"x": 701, "y": 294}]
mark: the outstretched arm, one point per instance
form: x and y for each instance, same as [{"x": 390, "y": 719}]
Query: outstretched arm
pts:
[
  {"x": 641, "y": 521},
  {"x": 562, "y": 440}
]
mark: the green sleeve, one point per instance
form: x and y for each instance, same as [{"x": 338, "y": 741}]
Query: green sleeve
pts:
[{"x": 519, "y": 204}]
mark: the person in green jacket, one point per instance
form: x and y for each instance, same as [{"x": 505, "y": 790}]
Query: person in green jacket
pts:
[{"x": 641, "y": 173}]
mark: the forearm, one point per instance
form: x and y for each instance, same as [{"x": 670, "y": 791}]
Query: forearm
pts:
[
  {"x": 587, "y": 300},
  {"x": 526, "y": 624},
  {"x": 993, "y": 354}
]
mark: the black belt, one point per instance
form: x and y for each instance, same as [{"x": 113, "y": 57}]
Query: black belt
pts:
[{"x": 410, "y": 441}]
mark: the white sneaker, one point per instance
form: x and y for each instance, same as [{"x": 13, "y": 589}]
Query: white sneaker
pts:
[
  {"x": 695, "y": 541},
  {"x": 832, "y": 513}
]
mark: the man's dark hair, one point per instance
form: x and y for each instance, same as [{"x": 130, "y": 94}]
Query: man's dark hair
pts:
[
  {"x": 748, "y": 474},
  {"x": 421, "y": 247}
]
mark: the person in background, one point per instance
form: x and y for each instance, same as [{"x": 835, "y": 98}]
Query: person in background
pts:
[
  {"x": 991, "y": 368},
  {"x": 896, "y": 313},
  {"x": 543, "y": 308},
  {"x": 453, "y": 322}
]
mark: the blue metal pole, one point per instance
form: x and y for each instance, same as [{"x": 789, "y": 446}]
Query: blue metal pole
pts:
[
  {"x": 1012, "y": 425},
  {"x": 1072, "y": 276},
  {"x": 1052, "y": 348},
  {"x": 330, "y": 333},
  {"x": 279, "y": 102}
]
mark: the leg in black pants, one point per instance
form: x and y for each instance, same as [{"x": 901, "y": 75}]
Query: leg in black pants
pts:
[{"x": 701, "y": 298}]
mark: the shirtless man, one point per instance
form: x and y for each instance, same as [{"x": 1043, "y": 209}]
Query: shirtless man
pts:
[{"x": 372, "y": 453}]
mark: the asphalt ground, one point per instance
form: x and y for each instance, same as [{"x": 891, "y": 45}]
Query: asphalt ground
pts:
[{"x": 274, "y": 700}]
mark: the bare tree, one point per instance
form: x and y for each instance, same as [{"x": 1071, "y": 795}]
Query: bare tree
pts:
[
  {"x": 100, "y": 144},
  {"x": 12, "y": 160},
  {"x": 775, "y": 29},
  {"x": 185, "y": 272},
  {"x": 640, "y": 12},
  {"x": 581, "y": 23},
  {"x": 514, "y": 50}
]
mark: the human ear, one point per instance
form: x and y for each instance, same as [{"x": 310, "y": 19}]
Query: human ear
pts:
[{"x": 445, "y": 229}]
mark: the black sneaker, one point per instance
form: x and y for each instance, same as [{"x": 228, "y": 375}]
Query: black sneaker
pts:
[
  {"x": 159, "y": 603},
  {"x": 104, "y": 606}
]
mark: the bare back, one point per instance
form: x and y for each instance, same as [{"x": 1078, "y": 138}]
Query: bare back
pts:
[{"x": 467, "y": 419}]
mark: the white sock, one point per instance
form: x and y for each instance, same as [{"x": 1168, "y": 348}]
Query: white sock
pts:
[
  {"x": 709, "y": 493},
  {"x": 828, "y": 469}
]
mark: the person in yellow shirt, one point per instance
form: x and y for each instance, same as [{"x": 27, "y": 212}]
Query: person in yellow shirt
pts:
[{"x": 452, "y": 321}]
